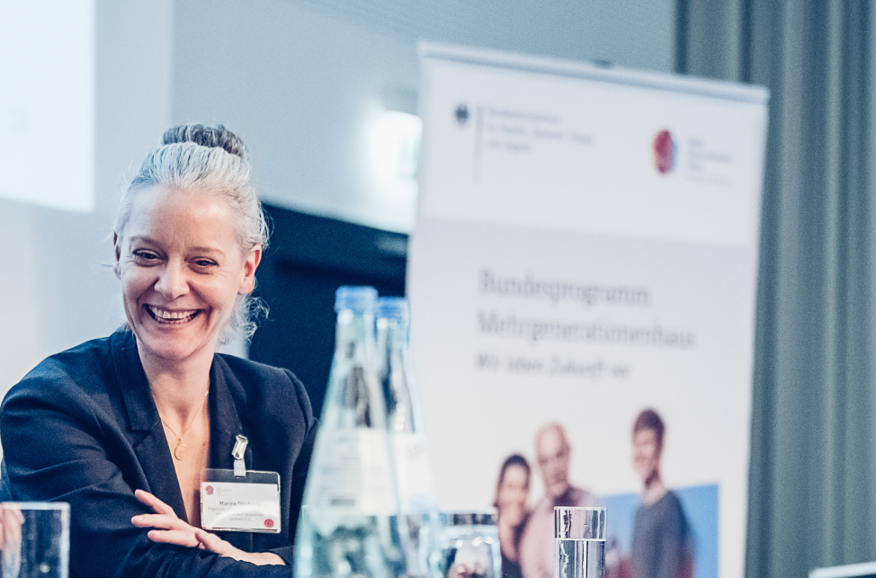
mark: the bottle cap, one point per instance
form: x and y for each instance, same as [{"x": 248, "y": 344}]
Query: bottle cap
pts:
[
  {"x": 393, "y": 308},
  {"x": 469, "y": 518},
  {"x": 579, "y": 523},
  {"x": 355, "y": 298}
]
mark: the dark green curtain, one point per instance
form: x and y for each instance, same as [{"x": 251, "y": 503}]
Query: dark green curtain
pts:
[{"x": 812, "y": 481}]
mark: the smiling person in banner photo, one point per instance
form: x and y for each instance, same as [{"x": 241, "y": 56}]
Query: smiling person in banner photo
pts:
[
  {"x": 662, "y": 544},
  {"x": 553, "y": 452},
  {"x": 124, "y": 427},
  {"x": 512, "y": 504}
]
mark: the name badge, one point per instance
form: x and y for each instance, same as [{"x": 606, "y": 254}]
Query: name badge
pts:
[{"x": 249, "y": 503}]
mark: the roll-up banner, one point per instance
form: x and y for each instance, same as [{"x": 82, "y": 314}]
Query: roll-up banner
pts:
[{"x": 582, "y": 283}]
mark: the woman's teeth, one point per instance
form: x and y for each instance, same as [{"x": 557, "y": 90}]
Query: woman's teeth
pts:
[{"x": 171, "y": 316}]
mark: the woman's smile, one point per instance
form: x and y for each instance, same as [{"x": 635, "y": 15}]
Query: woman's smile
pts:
[{"x": 171, "y": 317}]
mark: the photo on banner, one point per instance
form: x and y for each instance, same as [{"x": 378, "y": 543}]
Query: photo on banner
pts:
[{"x": 582, "y": 282}]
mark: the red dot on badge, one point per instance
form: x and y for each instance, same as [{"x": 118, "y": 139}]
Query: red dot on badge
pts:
[
  {"x": 269, "y": 523},
  {"x": 209, "y": 490}
]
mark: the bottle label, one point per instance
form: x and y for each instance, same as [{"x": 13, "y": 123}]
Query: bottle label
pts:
[
  {"x": 352, "y": 473},
  {"x": 414, "y": 474}
]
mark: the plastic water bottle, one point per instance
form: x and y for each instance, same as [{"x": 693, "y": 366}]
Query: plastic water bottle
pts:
[
  {"x": 348, "y": 525},
  {"x": 418, "y": 519}
]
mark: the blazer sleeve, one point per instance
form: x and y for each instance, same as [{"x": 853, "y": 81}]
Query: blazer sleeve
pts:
[{"x": 59, "y": 446}]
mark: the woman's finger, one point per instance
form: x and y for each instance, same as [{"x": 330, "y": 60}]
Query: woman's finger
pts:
[
  {"x": 157, "y": 505},
  {"x": 213, "y": 543},
  {"x": 178, "y": 537},
  {"x": 158, "y": 521}
]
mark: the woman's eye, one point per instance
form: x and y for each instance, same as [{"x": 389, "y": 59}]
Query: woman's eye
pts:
[
  {"x": 205, "y": 263},
  {"x": 145, "y": 256}
]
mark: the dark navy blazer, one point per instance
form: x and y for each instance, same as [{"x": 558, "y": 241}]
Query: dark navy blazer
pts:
[{"x": 82, "y": 428}]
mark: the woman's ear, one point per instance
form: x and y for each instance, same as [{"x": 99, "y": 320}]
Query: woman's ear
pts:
[
  {"x": 249, "y": 268},
  {"x": 118, "y": 255}
]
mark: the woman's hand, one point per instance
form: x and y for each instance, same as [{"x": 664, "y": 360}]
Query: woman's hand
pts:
[{"x": 169, "y": 529}]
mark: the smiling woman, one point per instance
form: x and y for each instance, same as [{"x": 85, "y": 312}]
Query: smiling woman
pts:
[
  {"x": 182, "y": 271},
  {"x": 512, "y": 503},
  {"x": 125, "y": 428}
]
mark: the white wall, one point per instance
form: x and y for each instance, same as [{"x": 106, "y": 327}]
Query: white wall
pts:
[{"x": 55, "y": 288}]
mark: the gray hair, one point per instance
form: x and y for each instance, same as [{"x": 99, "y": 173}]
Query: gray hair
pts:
[{"x": 215, "y": 159}]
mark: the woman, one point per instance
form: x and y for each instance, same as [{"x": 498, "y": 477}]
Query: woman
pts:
[
  {"x": 123, "y": 427},
  {"x": 512, "y": 503}
]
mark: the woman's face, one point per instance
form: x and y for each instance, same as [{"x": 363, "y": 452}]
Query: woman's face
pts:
[
  {"x": 181, "y": 268},
  {"x": 513, "y": 495}
]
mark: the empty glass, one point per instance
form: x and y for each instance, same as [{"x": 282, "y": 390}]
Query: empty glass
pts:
[
  {"x": 469, "y": 543},
  {"x": 34, "y": 539}
]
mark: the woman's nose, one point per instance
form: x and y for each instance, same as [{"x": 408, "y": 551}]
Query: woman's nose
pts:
[{"x": 172, "y": 281}]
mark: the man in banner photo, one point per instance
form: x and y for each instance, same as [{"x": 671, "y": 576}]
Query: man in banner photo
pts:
[
  {"x": 552, "y": 452},
  {"x": 662, "y": 543}
]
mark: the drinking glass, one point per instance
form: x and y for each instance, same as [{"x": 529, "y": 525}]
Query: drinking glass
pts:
[
  {"x": 580, "y": 542},
  {"x": 34, "y": 539},
  {"x": 469, "y": 543}
]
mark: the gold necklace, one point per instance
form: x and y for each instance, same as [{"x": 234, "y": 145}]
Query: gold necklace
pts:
[{"x": 181, "y": 451}]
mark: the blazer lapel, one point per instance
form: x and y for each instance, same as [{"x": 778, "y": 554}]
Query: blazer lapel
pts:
[
  {"x": 224, "y": 428},
  {"x": 144, "y": 424},
  {"x": 224, "y": 420}
]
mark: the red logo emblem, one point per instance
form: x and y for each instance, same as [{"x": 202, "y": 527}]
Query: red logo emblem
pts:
[
  {"x": 209, "y": 490},
  {"x": 269, "y": 523},
  {"x": 664, "y": 152}
]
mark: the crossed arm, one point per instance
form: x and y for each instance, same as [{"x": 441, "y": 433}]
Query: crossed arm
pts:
[{"x": 168, "y": 528}]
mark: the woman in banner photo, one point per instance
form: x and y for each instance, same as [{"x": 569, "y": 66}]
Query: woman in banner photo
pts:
[
  {"x": 123, "y": 427},
  {"x": 662, "y": 545},
  {"x": 512, "y": 504}
]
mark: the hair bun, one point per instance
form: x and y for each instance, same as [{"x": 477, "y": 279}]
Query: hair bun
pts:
[{"x": 206, "y": 136}]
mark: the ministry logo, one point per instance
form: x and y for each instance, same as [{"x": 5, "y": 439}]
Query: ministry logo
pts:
[{"x": 664, "y": 152}]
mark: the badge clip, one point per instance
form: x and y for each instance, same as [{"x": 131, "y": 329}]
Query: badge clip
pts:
[{"x": 237, "y": 453}]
